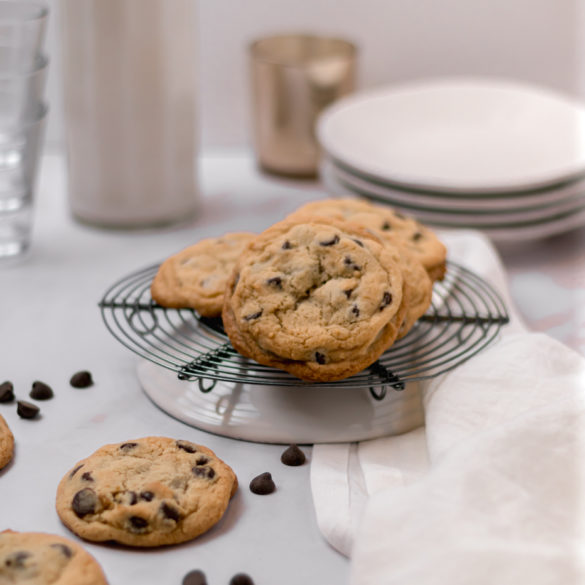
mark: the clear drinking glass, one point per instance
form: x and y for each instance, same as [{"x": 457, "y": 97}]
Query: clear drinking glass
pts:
[
  {"x": 22, "y": 33},
  {"x": 20, "y": 148}
]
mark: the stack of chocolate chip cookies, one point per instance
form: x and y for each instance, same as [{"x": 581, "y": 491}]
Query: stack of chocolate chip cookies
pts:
[{"x": 321, "y": 294}]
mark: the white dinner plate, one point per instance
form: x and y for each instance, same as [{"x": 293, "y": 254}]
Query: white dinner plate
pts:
[
  {"x": 434, "y": 210},
  {"x": 499, "y": 232},
  {"x": 459, "y": 135},
  {"x": 557, "y": 196}
]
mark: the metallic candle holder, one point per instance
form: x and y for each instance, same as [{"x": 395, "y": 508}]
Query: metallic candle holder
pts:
[{"x": 294, "y": 77}]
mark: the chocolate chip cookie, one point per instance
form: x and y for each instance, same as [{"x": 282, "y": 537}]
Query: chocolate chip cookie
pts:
[
  {"x": 319, "y": 298},
  {"x": 147, "y": 492},
  {"x": 390, "y": 225},
  {"x": 35, "y": 558},
  {"x": 6, "y": 443},
  {"x": 196, "y": 277}
]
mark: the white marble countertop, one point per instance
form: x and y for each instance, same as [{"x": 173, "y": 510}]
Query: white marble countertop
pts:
[{"x": 51, "y": 328}]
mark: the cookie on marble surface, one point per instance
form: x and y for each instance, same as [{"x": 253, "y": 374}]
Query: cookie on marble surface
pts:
[
  {"x": 6, "y": 443},
  {"x": 36, "y": 558},
  {"x": 390, "y": 225},
  {"x": 146, "y": 492},
  {"x": 319, "y": 298},
  {"x": 196, "y": 277}
]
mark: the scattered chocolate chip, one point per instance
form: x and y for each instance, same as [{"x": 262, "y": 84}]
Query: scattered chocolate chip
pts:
[
  {"x": 41, "y": 391},
  {"x": 203, "y": 472},
  {"x": 26, "y": 409},
  {"x": 170, "y": 512},
  {"x": 348, "y": 292},
  {"x": 16, "y": 559},
  {"x": 293, "y": 456},
  {"x": 127, "y": 446},
  {"x": 195, "y": 577},
  {"x": 355, "y": 310},
  {"x": 87, "y": 476},
  {"x": 275, "y": 281},
  {"x": 147, "y": 496},
  {"x": 63, "y": 549},
  {"x": 241, "y": 579},
  {"x": 286, "y": 245},
  {"x": 186, "y": 446},
  {"x": 386, "y": 300},
  {"x": 334, "y": 240},
  {"x": 85, "y": 502},
  {"x": 75, "y": 470},
  {"x": 81, "y": 379},
  {"x": 359, "y": 242},
  {"x": 319, "y": 358},
  {"x": 386, "y": 226},
  {"x": 137, "y": 524},
  {"x": 262, "y": 484},
  {"x": 6, "y": 392},
  {"x": 253, "y": 316},
  {"x": 202, "y": 460},
  {"x": 416, "y": 236}
]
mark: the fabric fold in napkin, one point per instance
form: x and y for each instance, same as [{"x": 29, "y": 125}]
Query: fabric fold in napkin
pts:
[{"x": 491, "y": 490}]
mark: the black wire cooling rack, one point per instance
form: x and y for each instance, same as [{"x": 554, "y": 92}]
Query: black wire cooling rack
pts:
[{"x": 465, "y": 315}]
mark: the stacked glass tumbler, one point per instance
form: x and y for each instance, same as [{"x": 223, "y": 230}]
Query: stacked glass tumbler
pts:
[{"x": 23, "y": 113}]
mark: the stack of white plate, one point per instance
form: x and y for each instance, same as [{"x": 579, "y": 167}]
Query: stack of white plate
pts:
[{"x": 499, "y": 156}]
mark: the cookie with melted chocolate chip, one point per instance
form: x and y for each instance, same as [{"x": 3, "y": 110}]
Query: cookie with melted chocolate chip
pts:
[
  {"x": 6, "y": 443},
  {"x": 319, "y": 298},
  {"x": 147, "y": 492},
  {"x": 392, "y": 226},
  {"x": 196, "y": 277},
  {"x": 35, "y": 557}
]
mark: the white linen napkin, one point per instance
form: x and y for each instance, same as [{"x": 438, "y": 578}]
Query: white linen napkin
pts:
[{"x": 491, "y": 490}]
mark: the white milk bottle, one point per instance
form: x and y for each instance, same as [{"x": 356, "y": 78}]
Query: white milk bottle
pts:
[{"x": 129, "y": 69}]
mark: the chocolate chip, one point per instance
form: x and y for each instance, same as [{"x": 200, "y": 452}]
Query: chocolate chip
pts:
[
  {"x": 81, "y": 379},
  {"x": 349, "y": 262},
  {"x": 253, "y": 316},
  {"x": 16, "y": 559},
  {"x": 203, "y": 472},
  {"x": 6, "y": 392},
  {"x": 195, "y": 577},
  {"x": 286, "y": 245},
  {"x": 359, "y": 242},
  {"x": 170, "y": 512},
  {"x": 275, "y": 281},
  {"x": 87, "y": 476},
  {"x": 75, "y": 470},
  {"x": 147, "y": 496},
  {"x": 85, "y": 502},
  {"x": 386, "y": 226},
  {"x": 137, "y": 524},
  {"x": 355, "y": 310},
  {"x": 293, "y": 456},
  {"x": 202, "y": 460},
  {"x": 41, "y": 391},
  {"x": 262, "y": 484},
  {"x": 334, "y": 240},
  {"x": 186, "y": 446},
  {"x": 386, "y": 300},
  {"x": 348, "y": 292},
  {"x": 241, "y": 579},
  {"x": 132, "y": 498},
  {"x": 26, "y": 409},
  {"x": 416, "y": 236},
  {"x": 63, "y": 549},
  {"x": 127, "y": 446},
  {"x": 319, "y": 358}
]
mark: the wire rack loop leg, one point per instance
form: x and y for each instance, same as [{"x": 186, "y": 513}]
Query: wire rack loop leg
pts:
[
  {"x": 378, "y": 393},
  {"x": 206, "y": 385}
]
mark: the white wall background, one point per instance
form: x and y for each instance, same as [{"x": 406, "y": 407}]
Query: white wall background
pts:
[{"x": 540, "y": 41}]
